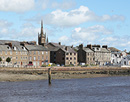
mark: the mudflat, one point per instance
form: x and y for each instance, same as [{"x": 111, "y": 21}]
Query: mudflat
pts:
[{"x": 27, "y": 74}]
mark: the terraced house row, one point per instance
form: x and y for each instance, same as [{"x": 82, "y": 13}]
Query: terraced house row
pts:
[{"x": 24, "y": 53}]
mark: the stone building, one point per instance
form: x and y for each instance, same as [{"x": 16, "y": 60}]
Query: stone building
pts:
[
  {"x": 85, "y": 55},
  {"x": 38, "y": 55},
  {"x": 53, "y": 48},
  {"x": 102, "y": 55},
  {"x": 94, "y": 54},
  {"x": 15, "y": 51},
  {"x": 66, "y": 56}
]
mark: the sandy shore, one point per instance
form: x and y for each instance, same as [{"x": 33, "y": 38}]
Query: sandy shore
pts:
[{"x": 26, "y": 77}]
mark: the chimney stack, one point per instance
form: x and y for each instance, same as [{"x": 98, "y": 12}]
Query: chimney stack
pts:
[
  {"x": 59, "y": 43},
  {"x": 104, "y": 46},
  {"x": 89, "y": 46},
  {"x": 66, "y": 48},
  {"x": 81, "y": 46}
]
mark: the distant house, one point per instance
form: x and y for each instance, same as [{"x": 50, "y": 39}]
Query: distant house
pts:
[
  {"x": 125, "y": 61},
  {"x": 116, "y": 56}
]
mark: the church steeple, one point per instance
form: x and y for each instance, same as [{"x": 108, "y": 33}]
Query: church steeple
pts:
[
  {"x": 42, "y": 28},
  {"x": 41, "y": 36}
]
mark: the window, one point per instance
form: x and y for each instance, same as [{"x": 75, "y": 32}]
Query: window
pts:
[
  {"x": 1, "y": 52},
  {"x": 74, "y": 58},
  {"x": 38, "y": 53},
  {"x": 42, "y": 57},
  {"x": 34, "y": 52},
  {"x": 70, "y": 53},
  {"x": 16, "y": 52},
  {"x": 16, "y": 57},
  {"x": 6, "y": 52},
  {"x": 66, "y": 58},
  {"x": 74, "y": 53},
  {"x": 10, "y": 52},
  {"x": 124, "y": 62},
  {"x": 70, "y": 58},
  {"x": 42, "y": 52},
  {"x": 38, "y": 57},
  {"x": 67, "y": 53},
  {"x": 46, "y": 52},
  {"x": 63, "y": 58},
  {"x": 34, "y": 58},
  {"x": 30, "y": 58}
]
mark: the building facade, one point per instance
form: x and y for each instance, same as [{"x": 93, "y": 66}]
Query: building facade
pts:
[
  {"x": 85, "y": 55},
  {"x": 38, "y": 55},
  {"x": 66, "y": 56}
]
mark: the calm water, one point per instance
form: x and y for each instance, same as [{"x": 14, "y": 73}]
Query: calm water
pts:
[{"x": 109, "y": 89}]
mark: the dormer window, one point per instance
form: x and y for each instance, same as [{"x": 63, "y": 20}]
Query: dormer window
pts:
[
  {"x": 14, "y": 48},
  {"x": 23, "y": 48},
  {"x": 8, "y": 47}
]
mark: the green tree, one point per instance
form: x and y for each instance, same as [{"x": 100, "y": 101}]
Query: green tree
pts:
[
  {"x": 0, "y": 59},
  {"x": 8, "y": 59}
]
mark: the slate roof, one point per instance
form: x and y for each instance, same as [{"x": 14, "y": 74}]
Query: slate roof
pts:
[
  {"x": 5, "y": 48},
  {"x": 2, "y": 42},
  {"x": 104, "y": 50},
  {"x": 69, "y": 49},
  {"x": 87, "y": 50},
  {"x": 57, "y": 45},
  {"x": 36, "y": 48}
]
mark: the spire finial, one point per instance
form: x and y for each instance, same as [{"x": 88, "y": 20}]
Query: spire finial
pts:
[
  {"x": 47, "y": 39},
  {"x": 41, "y": 27}
]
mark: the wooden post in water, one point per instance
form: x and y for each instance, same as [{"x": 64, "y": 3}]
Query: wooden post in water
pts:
[{"x": 49, "y": 76}]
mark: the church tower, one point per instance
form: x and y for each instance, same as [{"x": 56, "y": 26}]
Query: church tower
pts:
[{"x": 42, "y": 36}]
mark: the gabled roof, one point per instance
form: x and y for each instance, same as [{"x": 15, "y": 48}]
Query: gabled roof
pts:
[
  {"x": 87, "y": 50},
  {"x": 56, "y": 45},
  {"x": 36, "y": 48},
  {"x": 68, "y": 50}
]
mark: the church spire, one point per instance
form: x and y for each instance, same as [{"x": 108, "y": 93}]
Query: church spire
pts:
[
  {"x": 47, "y": 39},
  {"x": 42, "y": 28}
]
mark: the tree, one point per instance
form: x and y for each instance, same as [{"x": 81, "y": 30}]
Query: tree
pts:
[
  {"x": 8, "y": 59},
  {"x": 0, "y": 59}
]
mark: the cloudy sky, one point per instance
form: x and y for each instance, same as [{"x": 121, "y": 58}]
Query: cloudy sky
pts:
[{"x": 70, "y": 22}]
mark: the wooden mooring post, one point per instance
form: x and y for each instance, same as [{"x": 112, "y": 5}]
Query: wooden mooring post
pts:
[{"x": 49, "y": 76}]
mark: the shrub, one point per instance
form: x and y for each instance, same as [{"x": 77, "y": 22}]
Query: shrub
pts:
[
  {"x": 85, "y": 65},
  {"x": 70, "y": 65},
  {"x": 43, "y": 65}
]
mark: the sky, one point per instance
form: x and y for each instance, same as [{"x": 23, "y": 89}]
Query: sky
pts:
[{"x": 71, "y": 22}]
